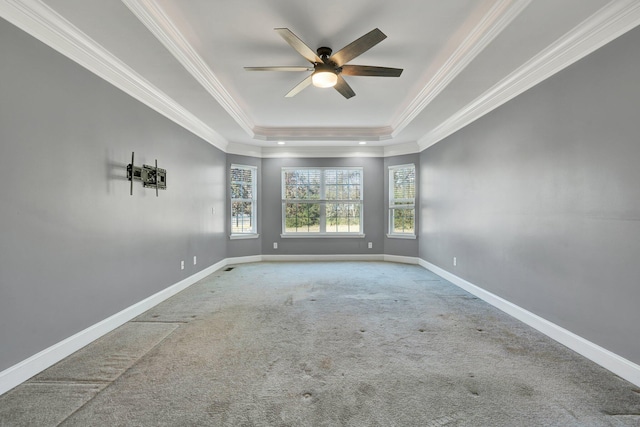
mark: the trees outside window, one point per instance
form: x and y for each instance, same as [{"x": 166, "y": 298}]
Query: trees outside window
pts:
[
  {"x": 322, "y": 201},
  {"x": 402, "y": 200},
  {"x": 243, "y": 200}
]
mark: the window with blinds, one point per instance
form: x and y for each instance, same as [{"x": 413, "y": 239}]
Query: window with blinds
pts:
[
  {"x": 402, "y": 200},
  {"x": 243, "y": 200},
  {"x": 321, "y": 201}
]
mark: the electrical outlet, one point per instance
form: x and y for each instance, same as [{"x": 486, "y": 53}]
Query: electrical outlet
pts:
[
  {"x": 275, "y": 245},
  {"x": 194, "y": 260},
  {"x": 181, "y": 265},
  {"x": 455, "y": 261},
  {"x": 370, "y": 245}
]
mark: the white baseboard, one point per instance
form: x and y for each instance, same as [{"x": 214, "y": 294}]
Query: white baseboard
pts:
[
  {"x": 401, "y": 259},
  {"x": 344, "y": 257},
  {"x": 335, "y": 257},
  {"x": 243, "y": 259},
  {"x": 603, "y": 357},
  {"x": 17, "y": 374}
]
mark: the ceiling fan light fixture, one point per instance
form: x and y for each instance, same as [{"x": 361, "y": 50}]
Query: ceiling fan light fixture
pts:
[{"x": 324, "y": 79}]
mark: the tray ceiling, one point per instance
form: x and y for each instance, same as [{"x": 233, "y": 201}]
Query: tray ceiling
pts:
[{"x": 461, "y": 59}]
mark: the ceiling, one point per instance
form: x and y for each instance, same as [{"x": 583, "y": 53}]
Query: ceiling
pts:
[{"x": 461, "y": 59}]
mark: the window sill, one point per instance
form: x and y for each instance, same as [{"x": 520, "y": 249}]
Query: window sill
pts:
[
  {"x": 401, "y": 236},
  {"x": 244, "y": 236},
  {"x": 322, "y": 236}
]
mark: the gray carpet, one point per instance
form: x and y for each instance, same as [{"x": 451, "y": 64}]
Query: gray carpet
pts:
[{"x": 323, "y": 344}]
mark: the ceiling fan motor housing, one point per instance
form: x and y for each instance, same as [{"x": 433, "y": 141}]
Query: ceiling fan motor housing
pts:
[
  {"x": 324, "y": 52},
  {"x": 327, "y": 65}
]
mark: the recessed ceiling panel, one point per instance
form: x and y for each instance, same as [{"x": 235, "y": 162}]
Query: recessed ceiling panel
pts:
[{"x": 232, "y": 35}]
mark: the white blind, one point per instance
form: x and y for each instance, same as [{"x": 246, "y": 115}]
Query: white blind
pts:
[
  {"x": 403, "y": 182},
  {"x": 302, "y": 184},
  {"x": 322, "y": 184},
  {"x": 242, "y": 180}
]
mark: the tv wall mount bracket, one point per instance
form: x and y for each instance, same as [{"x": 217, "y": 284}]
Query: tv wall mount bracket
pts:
[{"x": 151, "y": 176}]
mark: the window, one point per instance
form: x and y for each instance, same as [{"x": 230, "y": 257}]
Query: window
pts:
[
  {"x": 402, "y": 201},
  {"x": 243, "y": 201},
  {"x": 322, "y": 202}
]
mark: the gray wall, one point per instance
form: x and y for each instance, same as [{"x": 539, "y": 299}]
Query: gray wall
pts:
[
  {"x": 75, "y": 247},
  {"x": 244, "y": 247},
  {"x": 272, "y": 209},
  {"x": 540, "y": 199},
  {"x": 395, "y": 246}
]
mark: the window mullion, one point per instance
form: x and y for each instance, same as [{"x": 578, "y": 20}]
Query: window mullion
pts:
[{"x": 323, "y": 204}]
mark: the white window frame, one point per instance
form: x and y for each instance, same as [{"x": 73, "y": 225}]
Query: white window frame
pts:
[
  {"x": 251, "y": 233},
  {"x": 406, "y": 203},
  {"x": 322, "y": 201}
]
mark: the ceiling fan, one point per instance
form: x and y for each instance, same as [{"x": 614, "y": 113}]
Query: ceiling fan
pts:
[{"x": 328, "y": 69}]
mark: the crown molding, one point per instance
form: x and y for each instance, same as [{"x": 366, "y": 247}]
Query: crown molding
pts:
[
  {"x": 159, "y": 24},
  {"x": 492, "y": 23},
  {"x": 43, "y": 23},
  {"x": 304, "y": 152},
  {"x": 320, "y": 151},
  {"x": 244, "y": 149},
  {"x": 608, "y": 23},
  {"x": 322, "y": 134},
  {"x": 401, "y": 149}
]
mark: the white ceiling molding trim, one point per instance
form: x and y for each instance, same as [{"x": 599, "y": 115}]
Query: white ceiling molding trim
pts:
[
  {"x": 315, "y": 152},
  {"x": 319, "y": 152},
  {"x": 610, "y": 22},
  {"x": 322, "y": 134},
  {"x": 401, "y": 149},
  {"x": 244, "y": 150},
  {"x": 495, "y": 20},
  {"x": 159, "y": 24},
  {"x": 43, "y": 23}
]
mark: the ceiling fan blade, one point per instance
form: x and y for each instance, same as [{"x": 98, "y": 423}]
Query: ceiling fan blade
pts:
[
  {"x": 343, "y": 87},
  {"x": 303, "y": 84},
  {"x": 284, "y": 68},
  {"x": 298, "y": 45},
  {"x": 366, "y": 70},
  {"x": 358, "y": 47}
]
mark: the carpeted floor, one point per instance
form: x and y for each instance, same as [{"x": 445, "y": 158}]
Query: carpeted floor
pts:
[{"x": 323, "y": 344}]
